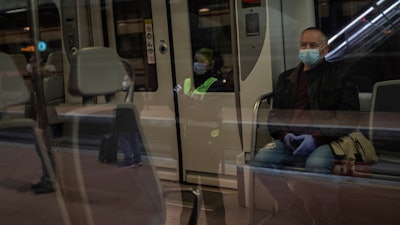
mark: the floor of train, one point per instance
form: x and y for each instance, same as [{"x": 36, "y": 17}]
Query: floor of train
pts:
[{"x": 19, "y": 205}]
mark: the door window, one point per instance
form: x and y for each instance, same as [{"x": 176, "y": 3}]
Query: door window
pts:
[
  {"x": 210, "y": 27},
  {"x": 134, "y": 37}
]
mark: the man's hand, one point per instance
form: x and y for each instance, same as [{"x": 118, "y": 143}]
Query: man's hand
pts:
[
  {"x": 288, "y": 140},
  {"x": 307, "y": 145}
]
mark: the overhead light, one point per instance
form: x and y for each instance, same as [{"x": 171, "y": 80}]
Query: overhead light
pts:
[
  {"x": 370, "y": 9},
  {"x": 11, "y": 11},
  {"x": 204, "y": 10}
]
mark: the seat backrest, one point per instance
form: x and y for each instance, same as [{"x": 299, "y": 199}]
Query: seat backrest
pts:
[
  {"x": 13, "y": 90},
  {"x": 96, "y": 71},
  {"x": 260, "y": 135},
  {"x": 20, "y": 63},
  {"x": 55, "y": 59},
  {"x": 100, "y": 71},
  {"x": 365, "y": 101},
  {"x": 53, "y": 88},
  {"x": 385, "y": 116},
  {"x": 53, "y": 81}
]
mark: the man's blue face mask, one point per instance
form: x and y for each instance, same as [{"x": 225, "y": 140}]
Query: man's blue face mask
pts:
[
  {"x": 309, "y": 56},
  {"x": 199, "y": 68}
]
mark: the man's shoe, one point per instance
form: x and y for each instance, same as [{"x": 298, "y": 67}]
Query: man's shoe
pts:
[
  {"x": 40, "y": 185},
  {"x": 37, "y": 186},
  {"x": 42, "y": 188},
  {"x": 124, "y": 164}
]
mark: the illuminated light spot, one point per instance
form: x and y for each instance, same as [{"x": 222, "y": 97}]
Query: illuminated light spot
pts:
[
  {"x": 204, "y": 10},
  {"x": 29, "y": 48},
  {"x": 215, "y": 133},
  {"x": 42, "y": 46}
]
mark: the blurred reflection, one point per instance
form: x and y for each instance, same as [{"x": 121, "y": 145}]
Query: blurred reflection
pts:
[{"x": 202, "y": 126}]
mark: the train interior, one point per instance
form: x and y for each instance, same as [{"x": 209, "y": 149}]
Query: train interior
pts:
[{"x": 61, "y": 72}]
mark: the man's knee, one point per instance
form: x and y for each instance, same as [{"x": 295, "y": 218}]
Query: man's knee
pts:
[
  {"x": 270, "y": 155},
  {"x": 320, "y": 161},
  {"x": 262, "y": 157}
]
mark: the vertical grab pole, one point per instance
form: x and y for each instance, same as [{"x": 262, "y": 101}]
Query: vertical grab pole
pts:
[{"x": 37, "y": 78}]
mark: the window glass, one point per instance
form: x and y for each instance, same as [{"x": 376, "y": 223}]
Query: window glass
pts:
[
  {"x": 364, "y": 34},
  {"x": 131, "y": 19},
  {"x": 210, "y": 27},
  {"x": 16, "y": 35}
]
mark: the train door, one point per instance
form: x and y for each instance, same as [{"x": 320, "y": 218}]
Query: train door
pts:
[
  {"x": 207, "y": 120},
  {"x": 186, "y": 135},
  {"x": 139, "y": 31}
]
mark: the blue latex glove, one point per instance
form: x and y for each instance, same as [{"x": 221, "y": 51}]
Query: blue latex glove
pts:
[
  {"x": 307, "y": 145},
  {"x": 287, "y": 139}
]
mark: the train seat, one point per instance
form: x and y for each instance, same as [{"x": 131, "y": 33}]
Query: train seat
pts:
[
  {"x": 378, "y": 118},
  {"x": 95, "y": 72},
  {"x": 53, "y": 82},
  {"x": 56, "y": 59},
  {"x": 17, "y": 67},
  {"x": 13, "y": 89},
  {"x": 374, "y": 187},
  {"x": 13, "y": 92},
  {"x": 20, "y": 63},
  {"x": 384, "y": 123},
  {"x": 99, "y": 71}
]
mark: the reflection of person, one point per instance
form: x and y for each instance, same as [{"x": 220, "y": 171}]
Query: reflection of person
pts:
[
  {"x": 202, "y": 128},
  {"x": 32, "y": 63},
  {"x": 129, "y": 139},
  {"x": 45, "y": 184},
  {"x": 314, "y": 93},
  {"x": 129, "y": 142},
  {"x": 128, "y": 136}
]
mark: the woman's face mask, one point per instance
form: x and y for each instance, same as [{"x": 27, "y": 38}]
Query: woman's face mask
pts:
[
  {"x": 309, "y": 56},
  {"x": 199, "y": 68}
]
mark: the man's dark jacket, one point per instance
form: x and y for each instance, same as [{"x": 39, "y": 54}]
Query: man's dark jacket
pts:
[{"x": 333, "y": 100}]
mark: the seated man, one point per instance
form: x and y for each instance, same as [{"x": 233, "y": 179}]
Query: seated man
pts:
[
  {"x": 314, "y": 104},
  {"x": 311, "y": 103}
]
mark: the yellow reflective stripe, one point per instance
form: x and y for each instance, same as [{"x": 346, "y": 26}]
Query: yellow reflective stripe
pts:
[{"x": 187, "y": 84}]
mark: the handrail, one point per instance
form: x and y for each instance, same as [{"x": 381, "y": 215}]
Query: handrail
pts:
[{"x": 265, "y": 97}]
